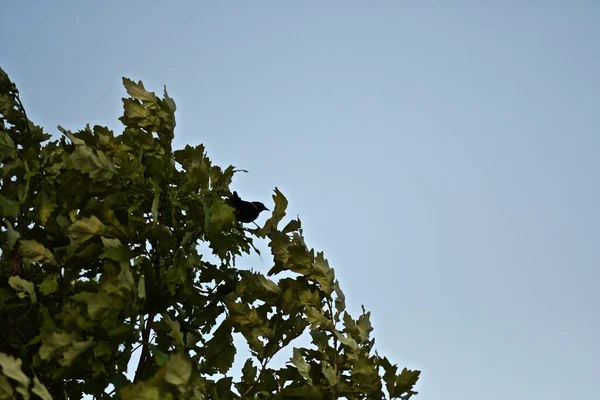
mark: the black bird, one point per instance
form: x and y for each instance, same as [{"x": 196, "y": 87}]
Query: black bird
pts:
[{"x": 246, "y": 211}]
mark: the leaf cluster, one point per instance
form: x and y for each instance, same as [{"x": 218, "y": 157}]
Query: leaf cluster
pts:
[{"x": 100, "y": 260}]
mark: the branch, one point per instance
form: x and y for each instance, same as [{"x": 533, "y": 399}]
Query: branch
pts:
[{"x": 145, "y": 342}]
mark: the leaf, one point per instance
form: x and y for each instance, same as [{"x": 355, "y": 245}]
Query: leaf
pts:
[
  {"x": 301, "y": 365},
  {"x": 103, "y": 349},
  {"x": 179, "y": 370},
  {"x": 329, "y": 374},
  {"x": 175, "y": 330},
  {"x": 363, "y": 325},
  {"x": 137, "y": 91},
  {"x": 134, "y": 111},
  {"x": 110, "y": 243},
  {"x": 323, "y": 274},
  {"x": 48, "y": 324},
  {"x": 8, "y": 207},
  {"x": 141, "y": 288},
  {"x": 45, "y": 204},
  {"x": 316, "y": 318},
  {"x": 220, "y": 351},
  {"x": 34, "y": 251},
  {"x": 75, "y": 350},
  {"x": 351, "y": 343},
  {"x": 103, "y": 168},
  {"x": 76, "y": 141},
  {"x": 40, "y": 390},
  {"x": 249, "y": 371},
  {"x": 6, "y": 104},
  {"x": 405, "y": 382},
  {"x": 277, "y": 215},
  {"x": 121, "y": 254},
  {"x": 24, "y": 288},
  {"x": 140, "y": 391},
  {"x": 49, "y": 285},
  {"x": 12, "y": 235},
  {"x": 340, "y": 298},
  {"x": 170, "y": 103},
  {"x": 160, "y": 356},
  {"x": 86, "y": 228},
  {"x": 53, "y": 343},
  {"x": 292, "y": 226},
  {"x": 7, "y": 146},
  {"x": 97, "y": 165},
  {"x": 221, "y": 216},
  {"x": 11, "y": 367},
  {"x": 99, "y": 305},
  {"x": 6, "y": 390}
]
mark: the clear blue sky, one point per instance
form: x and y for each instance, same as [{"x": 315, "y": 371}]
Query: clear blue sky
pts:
[{"x": 443, "y": 154}]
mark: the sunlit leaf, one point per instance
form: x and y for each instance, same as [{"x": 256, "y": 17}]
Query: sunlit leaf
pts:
[
  {"x": 23, "y": 287},
  {"x": 34, "y": 251}
]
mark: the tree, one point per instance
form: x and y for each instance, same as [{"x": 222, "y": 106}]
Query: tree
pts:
[{"x": 100, "y": 258}]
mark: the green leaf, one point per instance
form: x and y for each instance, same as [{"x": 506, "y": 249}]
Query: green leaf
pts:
[
  {"x": 169, "y": 102},
  {"x": 103, "y": 349},
  {"x": 292, "y": 226},
  {"x": 301, "y": 365},
  {"x": 363, "y": 325},
  {"x": 12, "y": 235},
  {"x": 141, "y": 288},
  {"x": 102, "y": 168},
  {"x": 85, "y": 229},
  {"x": 179, "y": 370},
  {"x": 75, "y": 350},
  {"x": 76, "y": 141},
  {"x": 34, "y": 251},
  {"x": 140, "y": 391},
  {"x": 48, "y": 324},
  {"x": 11, "y": 367},
  {"x": 99, "y": 305},
  {"x": 6, "y": 390},
  {"x": 349, "y": 342},
  {"x": 316, "y": 318},
  {"x": 137, "y": 91},
  {"x": 24, "y": 288},
  {"x": 249, "y": 371},
  {"x": 221, "y": 216},
  {"x": 45, "y": 204},
  {"x": 219, "y": 350},
  {"x": 277, "y": 215},
  {"x": 40, "y": 390},
  {"x": 340, "y": 299},
  {"x": 160, "y": 356},
  {"x": 6, "y": 104},
  {"x": 8, "y": 207},
  {"x": 175, "y": 330},
  {"x": 110, "y": 243},
  {"x": 53, "y": 343},
  {"x": 49, "y": 285},
  {"x": 405, "y": 382},
  {"x": 7, "y": 146},
  {"x": 121, "y": 254},
  {"x": 134, "y": 111},
  {"x": 329, "y": 374}
]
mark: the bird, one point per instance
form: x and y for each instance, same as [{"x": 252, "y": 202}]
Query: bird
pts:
[{"x": 246, "y": 211}]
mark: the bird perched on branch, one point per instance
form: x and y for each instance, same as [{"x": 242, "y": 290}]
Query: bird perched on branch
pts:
[{"x": 246, "y": 211}]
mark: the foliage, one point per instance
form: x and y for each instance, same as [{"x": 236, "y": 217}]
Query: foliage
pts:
[{"x": 100, "y": 257}]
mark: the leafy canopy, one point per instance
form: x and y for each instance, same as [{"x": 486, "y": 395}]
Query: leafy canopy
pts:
[{"x": 100, "y": 258}]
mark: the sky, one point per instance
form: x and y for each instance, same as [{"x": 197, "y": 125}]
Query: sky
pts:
[{"x": 443, "y": 155}]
